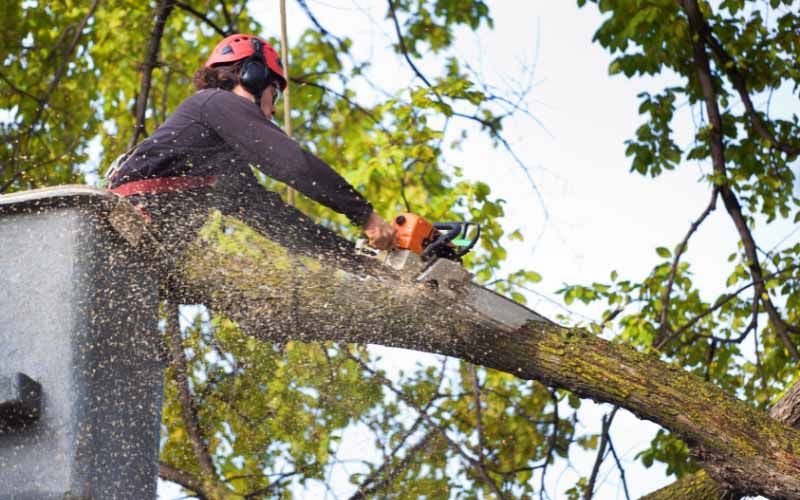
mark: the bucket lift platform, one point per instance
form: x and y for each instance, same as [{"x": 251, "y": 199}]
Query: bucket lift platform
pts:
[{"x": 81, "y": 370}]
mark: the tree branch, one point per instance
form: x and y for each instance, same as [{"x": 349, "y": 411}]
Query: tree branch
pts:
[
  {"x": 316, "y": 23},
  {"x": 737, "y": 79},
  {"x": 665, "y": 297},
  {"x": 732, "y": 205},
  {"x": 19, "y": 91},
  {"x": 601, "y": 453},
  {"x": 43, "y": 101},
  {"x": 189, "y": 481},
  {"x": 388, "y": 473},
  {"x": 492, "y": 126},
  {"x": 620, "y": 468},
  {"x": 62, "y": 67},
  {"x": 257, "y": 494},
  {"x": 188, "y": 408},
  {"x": 551, "y": 445},
  {"x": 203, "y": 17},
  {"x": 232, "y": 26},
  {"x": 479, "y": 468},
  {"x": 402, "y": 43},
  {"x": 162, "y": 12},
  {"x": 476, "y": 400}
]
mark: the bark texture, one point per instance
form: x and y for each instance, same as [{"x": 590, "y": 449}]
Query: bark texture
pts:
[
  {"x": 277, "y": 295},
  {"x": 700, "y": 485},
  {"x": 694, "y": 486}
]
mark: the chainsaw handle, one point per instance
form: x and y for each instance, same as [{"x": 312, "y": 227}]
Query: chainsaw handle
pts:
[
  {"x": 453, "y": 229},
  {"x": 469, "y": 247}
]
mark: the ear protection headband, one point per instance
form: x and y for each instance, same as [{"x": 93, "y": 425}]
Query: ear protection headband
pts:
[{"x": 254, "y": 75}]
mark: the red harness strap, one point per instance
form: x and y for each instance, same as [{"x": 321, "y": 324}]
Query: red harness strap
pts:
[{"x": 163, "y": 185}]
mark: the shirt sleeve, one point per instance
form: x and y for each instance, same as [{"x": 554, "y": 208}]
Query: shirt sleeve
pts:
[{"x": 241, "y": 125}]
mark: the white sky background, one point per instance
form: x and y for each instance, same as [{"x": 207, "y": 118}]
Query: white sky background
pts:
[{"x": 601, "y": 216}]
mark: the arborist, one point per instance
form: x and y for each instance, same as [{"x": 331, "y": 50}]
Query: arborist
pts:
[{"x": 201, "y": 158}]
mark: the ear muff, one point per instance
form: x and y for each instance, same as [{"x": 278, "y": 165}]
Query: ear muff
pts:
[{"x": 254, "y": 75}]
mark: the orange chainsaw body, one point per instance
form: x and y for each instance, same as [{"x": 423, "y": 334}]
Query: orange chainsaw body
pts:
[{"x": 413, "y": 232}]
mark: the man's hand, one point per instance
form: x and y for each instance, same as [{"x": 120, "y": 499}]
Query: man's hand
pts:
[{"x": 380, "y": 233}]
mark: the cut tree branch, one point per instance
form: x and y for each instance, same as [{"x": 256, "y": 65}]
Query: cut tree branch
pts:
[{"x": 740, "y": 445}]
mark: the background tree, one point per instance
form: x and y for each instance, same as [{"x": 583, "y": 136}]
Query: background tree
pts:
[{"x": 247, "y": 419}]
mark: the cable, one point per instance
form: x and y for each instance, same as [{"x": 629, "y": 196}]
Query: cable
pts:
[{"x": 287, "y": 107}]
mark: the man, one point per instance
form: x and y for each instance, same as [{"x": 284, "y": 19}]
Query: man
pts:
[{"x": 202, "y": 155}]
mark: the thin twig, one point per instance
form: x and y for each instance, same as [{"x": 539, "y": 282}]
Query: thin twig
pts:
[
  {"x": 44, "y": 100},
  {"x": 189, "y": 410},
  {"x": 482, "y": 473},
  {"x": 601, "y": 453},
  {"x": 255, "y": 495},
  {"x": 665, "y": 297},
  {"x": 388, "y": 473},
  {"x": 19, "y": 91},
  {"x": 315, "y": 22},
  {"x": 492, "y": 126},
  {"x": 231, "y": 20},
  {"x": 202, "y": 17},
  {"x": 721, "y": 302},
  {"x": 476, "y": 400},
  {"x": 366, "y": 485},
  {"x": 619, "y": 467},
  {"x": 402, "y": 42},
  {"x": 551, "y": 445}
]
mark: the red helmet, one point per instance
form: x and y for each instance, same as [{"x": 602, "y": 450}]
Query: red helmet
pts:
[{"x": 237, "y": 47}]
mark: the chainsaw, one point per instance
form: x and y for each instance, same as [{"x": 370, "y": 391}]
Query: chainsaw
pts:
[{"x": 429, "y": 253}]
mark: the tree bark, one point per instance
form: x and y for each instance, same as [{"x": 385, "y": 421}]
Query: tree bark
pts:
[
  {"x": 264, "y": 287},
  {"x": 700, "y": 485}
]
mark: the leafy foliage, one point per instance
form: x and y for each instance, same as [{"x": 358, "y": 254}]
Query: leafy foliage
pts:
[
  {"x": 273, "y": 417},
  {"x": 753, "y": 55}
]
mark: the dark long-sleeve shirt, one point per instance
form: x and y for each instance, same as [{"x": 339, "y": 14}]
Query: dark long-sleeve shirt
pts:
[{"x": 216, "y": 132}]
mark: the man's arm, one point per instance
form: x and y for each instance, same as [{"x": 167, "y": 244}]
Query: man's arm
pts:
[{"x": 240, "y": 124}]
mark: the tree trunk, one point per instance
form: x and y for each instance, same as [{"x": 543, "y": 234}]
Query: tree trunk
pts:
[{"x": 277, "y": 295}]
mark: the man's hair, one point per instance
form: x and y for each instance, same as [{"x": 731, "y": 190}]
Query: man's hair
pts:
[{"x": 218, "y": 77}]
